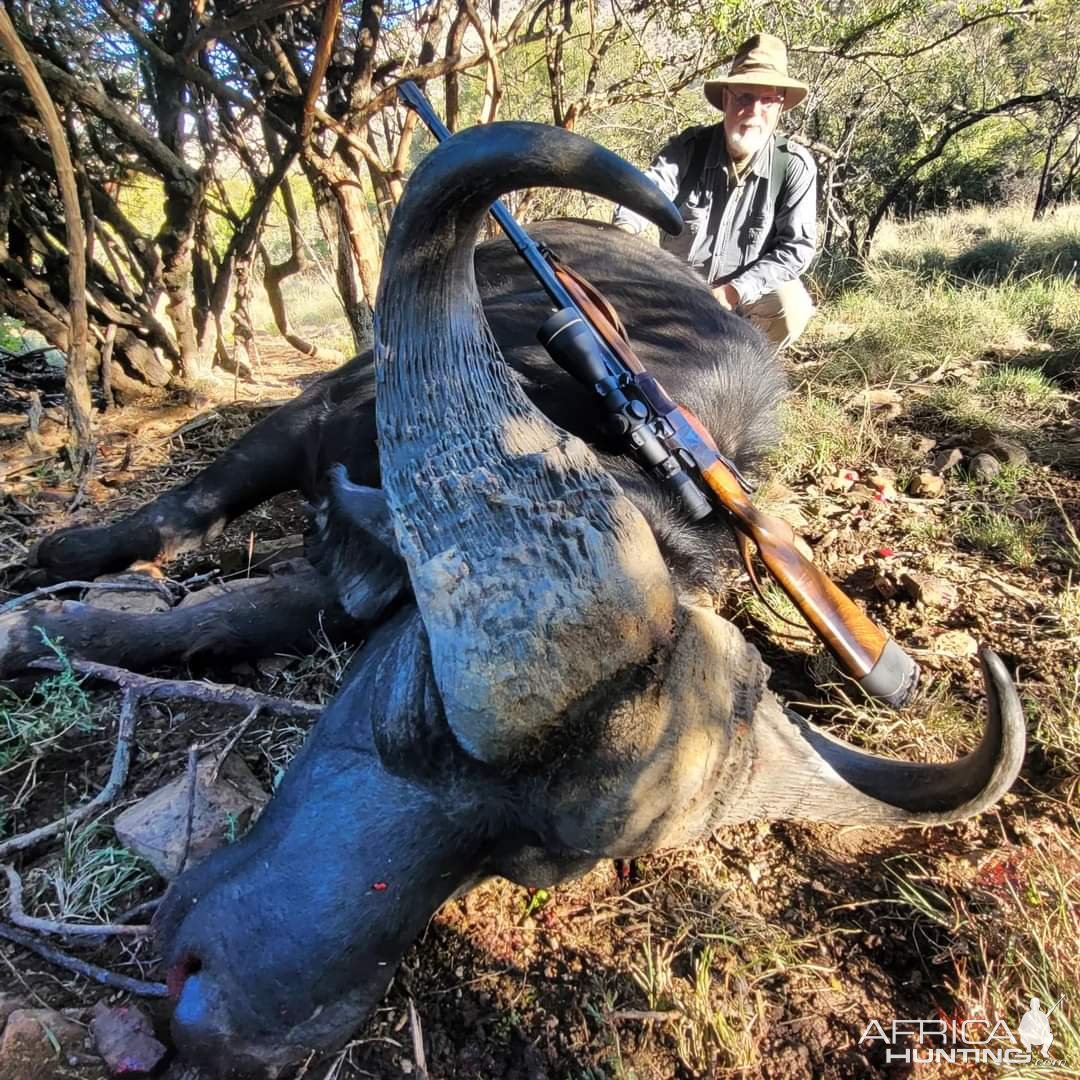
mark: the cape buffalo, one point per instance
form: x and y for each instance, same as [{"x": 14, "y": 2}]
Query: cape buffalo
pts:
[{"x": 540, "y": 688}]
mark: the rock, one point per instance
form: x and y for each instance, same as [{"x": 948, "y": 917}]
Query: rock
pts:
[
  {"x": 154, "y": 828},
  {"x": 1006, "y": 450},
  {"x": 883, "y": 402},
  {"x": 982, "y": 468},
  {"x": 836, "y": 484},
  {"x": 948, "y": 459},
  {"x": 791, "y": 514},
  {"x": 926, "y": 485},
  {"x": 955, "y": 643},
  {"x": 219, "y": 588},
  {"x": 124, "y": 1037},
  {"x": 884, "y": 483},
  {"x": 139, "y": 601},
  {"x": 886, "y": 587},
  {"x": 29, "y": 1048},
  {"x": 863, "y": 491},
  {"x": 9, "y": 1003},
  {"x": 932, "y": 591}
]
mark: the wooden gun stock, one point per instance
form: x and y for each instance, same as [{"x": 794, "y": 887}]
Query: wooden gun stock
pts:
[{"x": 862, "y": 648}]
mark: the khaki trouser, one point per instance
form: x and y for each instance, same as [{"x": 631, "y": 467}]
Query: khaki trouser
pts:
[{"x": 781, "y": 315}]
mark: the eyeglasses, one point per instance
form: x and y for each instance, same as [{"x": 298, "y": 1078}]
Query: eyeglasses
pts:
[{"x": 747, "y": 99}]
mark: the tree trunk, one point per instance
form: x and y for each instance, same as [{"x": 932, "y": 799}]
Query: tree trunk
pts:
[
  {"x": 358, "y": 310},
  {"x": 76, "y": 385},
  {"x": 1046, "y": 178}
]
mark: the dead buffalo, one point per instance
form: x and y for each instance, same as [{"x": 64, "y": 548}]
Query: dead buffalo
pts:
[{"x": 539, "y": 689}]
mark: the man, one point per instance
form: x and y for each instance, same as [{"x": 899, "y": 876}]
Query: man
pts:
[{"x": 748, "y": 196}]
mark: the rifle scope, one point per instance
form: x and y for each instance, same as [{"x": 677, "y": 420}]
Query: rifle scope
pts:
[{"x": 572, "y": 344}]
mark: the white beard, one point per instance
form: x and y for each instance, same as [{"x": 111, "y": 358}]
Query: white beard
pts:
[{"x": 744, "y": 144}]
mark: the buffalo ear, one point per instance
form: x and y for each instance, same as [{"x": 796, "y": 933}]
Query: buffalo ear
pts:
[{"x": 356, "y": 549}]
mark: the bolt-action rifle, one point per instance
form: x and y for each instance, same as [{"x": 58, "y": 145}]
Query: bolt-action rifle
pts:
[{"x": 586, "y": 338}]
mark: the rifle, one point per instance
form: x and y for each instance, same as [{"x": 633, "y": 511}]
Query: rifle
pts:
[{"x": 586, "y": 338}]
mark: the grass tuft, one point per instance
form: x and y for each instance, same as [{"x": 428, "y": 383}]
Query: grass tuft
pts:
[
  {"x": 1003, "y": 532},
  {"x": 87, "y": 879},
  {"x": 56, "y": 705},
  {"x": 820, "y": 437}
]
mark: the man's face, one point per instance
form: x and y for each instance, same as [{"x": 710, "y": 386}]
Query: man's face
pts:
[{"x": 750, "y": 116}]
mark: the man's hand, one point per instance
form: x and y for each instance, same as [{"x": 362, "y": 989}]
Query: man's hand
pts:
[{"x": 727, "y": 296}]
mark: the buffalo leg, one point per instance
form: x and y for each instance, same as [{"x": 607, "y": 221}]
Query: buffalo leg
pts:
[
  {"x": 280, "y": 453},
  {"x": 277, "y": 614}
]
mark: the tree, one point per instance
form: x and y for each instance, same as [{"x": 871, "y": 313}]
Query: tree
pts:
[{"x": 302, "y": 99}]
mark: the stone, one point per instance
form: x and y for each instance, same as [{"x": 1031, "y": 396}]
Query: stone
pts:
[
  {"x": 9, "y": 1003},
  {"x": 124, "y": 1037},
  {"x": 885, "y": 586},
  {"x": 36, "y": 1044},
  {"x": 955, "y": 643},
  {"x": 982, "y": 468},
  {"x": 884, "y": 402},
  {"x": 926, "y": 485},
  {"x": 836, "y": 484},
  {"x": 219, "y": 588},
  {"x": 948, "y": 459},
  {"x": 1012, "y": 453},
  {"x": 932, "y": 591},
  {"x": 884, "y": 483},
  {"x": 137, "y": 601},
  {"x": 154, "y": 827}
]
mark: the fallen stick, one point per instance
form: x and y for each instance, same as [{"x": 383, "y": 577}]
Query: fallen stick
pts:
[
  {"x": 132, "y": 914},
  {"x": 50, "y": 926},
  {"x": 104, "y": 586},
  {"x": 189, "y": 819},
  {"x": 417, "y": 1032},
  {"x": 125, "y": 730},
  {"x": 234, "y": 738},
  {"x": 148, "y": 688},
  {"x": 81, "y": 967}
]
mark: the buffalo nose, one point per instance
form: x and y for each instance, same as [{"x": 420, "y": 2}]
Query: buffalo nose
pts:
[{"x": 200, "y": 1030}]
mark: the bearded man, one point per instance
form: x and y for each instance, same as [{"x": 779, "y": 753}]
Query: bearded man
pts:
[{"x": 748, "y": 196}]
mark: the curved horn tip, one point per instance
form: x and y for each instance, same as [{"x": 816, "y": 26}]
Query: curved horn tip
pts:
[{"x": 809, "y": 774}]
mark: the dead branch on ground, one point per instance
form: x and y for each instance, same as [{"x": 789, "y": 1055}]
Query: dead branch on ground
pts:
[
  {"x": 148, "y": 688},
  {"x": 81, "y": 967},
  {"x": 18, "y": 916},
  {"x": 117, "y": 777},
  {"x": 64, "y": 586}
]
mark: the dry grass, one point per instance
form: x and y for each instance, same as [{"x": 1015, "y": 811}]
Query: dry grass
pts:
[{"x": 706, "y": 965}]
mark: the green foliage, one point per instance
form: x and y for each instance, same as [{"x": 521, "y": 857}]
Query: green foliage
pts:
[
  {"x": 948, "y": 291},
  {"x": 819, "y": 438},
  {"x": 54, "y": 707},
  {"x": 10, "y": 335},
  {"x": 1001, "y": 531},
  {"x": 87, "y": 878},
  {"x": 142, "y": 199}
]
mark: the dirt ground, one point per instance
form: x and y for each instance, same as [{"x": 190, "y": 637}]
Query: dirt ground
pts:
[{"x": 808, "y": 933}]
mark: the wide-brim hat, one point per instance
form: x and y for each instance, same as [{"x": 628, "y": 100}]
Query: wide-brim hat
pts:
[{"x": 760, "y": 61}]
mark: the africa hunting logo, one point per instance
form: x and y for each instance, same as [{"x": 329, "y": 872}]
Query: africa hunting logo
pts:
[{"x": 973, "y": 1041}]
